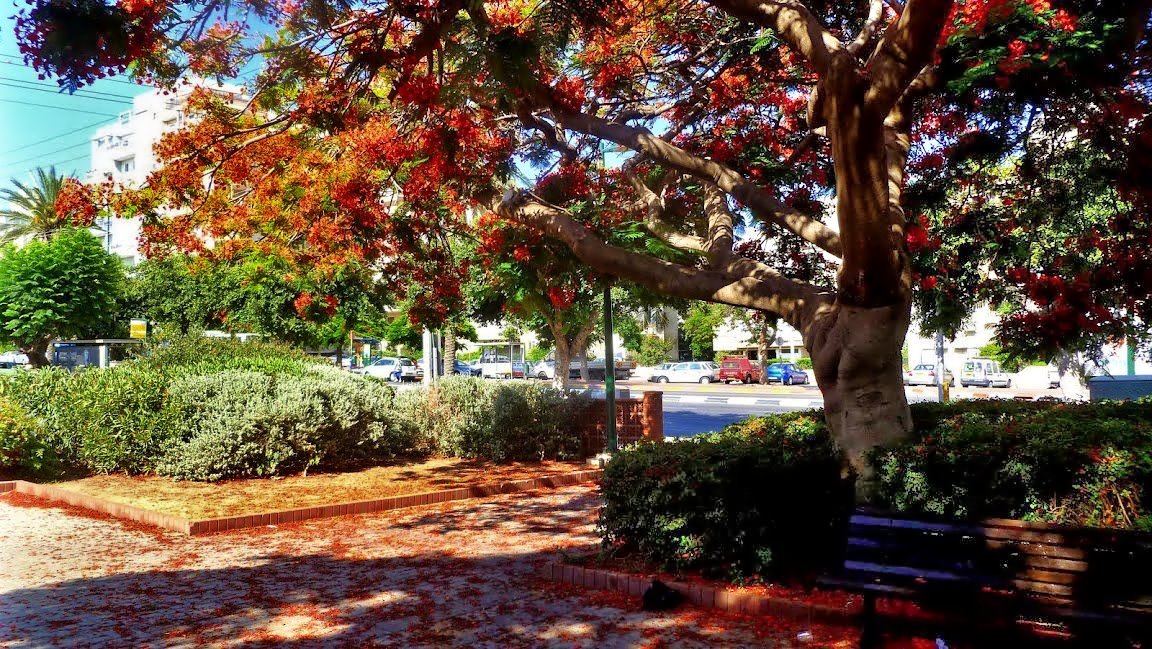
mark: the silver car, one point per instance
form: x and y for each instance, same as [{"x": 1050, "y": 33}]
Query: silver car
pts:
[{"x": 692, "y": 372}]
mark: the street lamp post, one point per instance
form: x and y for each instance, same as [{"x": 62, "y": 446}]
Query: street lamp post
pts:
[{"x": 609, "y": 372}]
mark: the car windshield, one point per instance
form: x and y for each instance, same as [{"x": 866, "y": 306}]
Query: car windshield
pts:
[
  {"x": 925, "y": 367},
  {"x": 383, "y": 361},
  {"x": 406, "y": 362}
]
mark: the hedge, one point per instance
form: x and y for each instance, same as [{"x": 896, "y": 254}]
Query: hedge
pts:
[
  {"x": 765, "y": 496},
  {"x": 205, "y": 409}
]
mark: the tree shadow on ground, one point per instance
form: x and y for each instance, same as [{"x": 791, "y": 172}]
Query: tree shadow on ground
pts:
[{"x": 477, "y": 588}]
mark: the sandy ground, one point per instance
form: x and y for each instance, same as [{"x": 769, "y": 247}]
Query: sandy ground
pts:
[{"x": 460, "y": 574}]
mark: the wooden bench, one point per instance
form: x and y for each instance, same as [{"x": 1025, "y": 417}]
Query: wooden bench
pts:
[{"x": 1001, "y": 577}]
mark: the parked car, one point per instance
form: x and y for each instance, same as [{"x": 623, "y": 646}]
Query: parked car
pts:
[
  {"x": 393, "y": 369},
  {"x": 545, "y": 370},
  {"x": 786, "y": 374},
  {"x": 984, "y": 372},
  {"x": 463, "y": 369},
  {"x": 925, "y": 374},
  {"x": 655, "y": 371},
  {"x": 1053, "y": 378},
  {"x": 738, "y": 368},
  {"x": 693, "y": 372}
]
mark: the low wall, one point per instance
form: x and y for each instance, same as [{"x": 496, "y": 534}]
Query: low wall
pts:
[{"x": 636, "y": 420}]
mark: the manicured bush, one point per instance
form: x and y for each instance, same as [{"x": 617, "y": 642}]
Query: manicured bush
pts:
[
  {"x": 764, "y": 497},
  {"x": 1075, "y": 464},
  {"x": 190, "y": 355},
  {"x": 469, "y": 417},
  {"x": 238, "y": 423}
]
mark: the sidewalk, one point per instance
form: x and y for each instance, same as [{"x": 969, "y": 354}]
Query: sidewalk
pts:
[{"x": 460, "y": 574}]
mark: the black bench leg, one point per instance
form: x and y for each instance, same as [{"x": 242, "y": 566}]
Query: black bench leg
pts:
[{"x": 870, "y": 635}]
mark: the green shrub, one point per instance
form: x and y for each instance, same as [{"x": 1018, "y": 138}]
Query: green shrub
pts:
[
  {"x": 804, "y": 362},
  {"x": 464, "y": 416},
  {"x": 763, "y": 497},
  {"x": 190, "y": 355},
  {"x": 1075, "y": 464},
  {"x": 23, "y": 447},
  {"x": 102, "y": 420},
  {"x": 238, "y": 423}
]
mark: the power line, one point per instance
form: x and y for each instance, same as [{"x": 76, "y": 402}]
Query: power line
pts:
[
  {"x": 56, "y": 89},
  {"x": 42, "y": 155},
  {"x": 54, "y": 137},
  {"x": 64, "y": 162},
  {"x": 74, "y": 110},
  {"x": 123, "y": 100}
]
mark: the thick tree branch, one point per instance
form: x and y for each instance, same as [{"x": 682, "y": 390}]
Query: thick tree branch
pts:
[
  {"x": 654, "y": 210},
  {"x": 766, "y": 290},
  {"x": 719, "y": 242},
  {"x": 871, "y": 25},
  {"x": 907, "y": 47},
  {"x": 793, "y": 22},
  {"x": 762, "y": 204}
]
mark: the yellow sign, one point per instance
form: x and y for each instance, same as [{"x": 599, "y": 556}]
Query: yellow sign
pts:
[{"x": 138, "y": 329}]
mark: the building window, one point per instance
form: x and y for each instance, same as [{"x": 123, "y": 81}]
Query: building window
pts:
[{"x": 126, "y": 166}]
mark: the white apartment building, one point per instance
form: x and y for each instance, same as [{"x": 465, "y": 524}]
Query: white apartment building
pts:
[{"x": 123, "y": 151}]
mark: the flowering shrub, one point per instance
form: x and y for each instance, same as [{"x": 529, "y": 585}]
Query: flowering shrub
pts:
[{"x": 764, "y": 497}]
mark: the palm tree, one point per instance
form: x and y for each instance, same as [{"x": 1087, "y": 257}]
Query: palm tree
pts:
[{"x": 31, "y": 209}]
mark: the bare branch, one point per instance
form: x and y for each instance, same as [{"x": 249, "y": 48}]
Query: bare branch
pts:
[
  {"x": 794, "y": 301},
  {"x": 793, "y": 22},
  {"x": 871, "y": 25},
  {"x": 761, "y": 203},
  {"x": 907, "y": 47}
]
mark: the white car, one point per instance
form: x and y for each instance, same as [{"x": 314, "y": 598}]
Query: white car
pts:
[
  {"x": 693, "y": 372},
  {"x": 984, "y": 372},
  {"x": 393, "y": 369}
]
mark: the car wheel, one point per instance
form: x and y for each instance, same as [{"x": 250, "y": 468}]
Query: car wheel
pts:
[
  {"x": 705, "y": 379},
  {"x": 394, "y": 377},
  {"x": 747, "y": 379},
  {"x": 786, "y": 380},
  {"x": 662, "y": 379},
  {"x": 541, "y": 375}
]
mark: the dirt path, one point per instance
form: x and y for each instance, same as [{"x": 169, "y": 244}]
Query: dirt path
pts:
[{"x": 460, "y": 574}]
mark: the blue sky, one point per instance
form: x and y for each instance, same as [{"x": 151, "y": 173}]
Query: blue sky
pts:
[{"x": 39, "y": 126}]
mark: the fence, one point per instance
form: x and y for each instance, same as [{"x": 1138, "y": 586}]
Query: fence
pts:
[{"x": 636, "y": 420}]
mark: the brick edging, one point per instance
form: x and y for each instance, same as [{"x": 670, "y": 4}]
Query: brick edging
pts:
[
  {"x": 700, "y": 595},
  {"x": 48, "y": 492},
  {"x": 225, "y": 523}
]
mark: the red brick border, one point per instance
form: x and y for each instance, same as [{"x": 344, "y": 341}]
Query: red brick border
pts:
[
  {"x": 48, "y": 492},
  {"x": 212, "y": 525},
  {"x": 700, "y": 595}
]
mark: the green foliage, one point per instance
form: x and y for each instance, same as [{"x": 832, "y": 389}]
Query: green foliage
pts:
[
  {"x": 762, "y": 498},
  {"x": 31, "y": 209},
  {"x": 24, "y": 451},
  {"x": 242, "y": 423},
  {"x": 653, "y": 351},
  {"x": 804, "y": 362},
  {"x": 536, "y": 354},
  {"x": 469, "y": 417},
  {"x": 185, "y": 355},
  {"x": 179, "y": 298},
  {"x": 102, "y": 420},
  {"x": 630, "y": 332},
  {"x": 469, "y": 355},
  {"x": 1009, "y": 362},
  {"x": 57, "y": 288},
  {"x": 1081, "y": 464},
  {"x": 699, "y": 327}
]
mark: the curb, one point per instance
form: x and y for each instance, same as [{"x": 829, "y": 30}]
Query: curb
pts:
[
  {"x": 222, "y": 524},
  {"x": 705, "y": 596},
  {"x": 746, "y": 401}
]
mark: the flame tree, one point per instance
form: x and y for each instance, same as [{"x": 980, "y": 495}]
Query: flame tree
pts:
[{"x": 928, "y": 151}]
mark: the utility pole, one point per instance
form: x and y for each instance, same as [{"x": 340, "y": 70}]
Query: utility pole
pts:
[
  {"x": 941, "y": 371},
  {"x": 609, "y": 372}
]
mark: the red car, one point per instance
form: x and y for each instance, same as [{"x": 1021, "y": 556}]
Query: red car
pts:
[{"x": 738, "y": 368}]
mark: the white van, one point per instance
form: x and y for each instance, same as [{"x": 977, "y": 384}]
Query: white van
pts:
[{"x": 984, "y": 372}]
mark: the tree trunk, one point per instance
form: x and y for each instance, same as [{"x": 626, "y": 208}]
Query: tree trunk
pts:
[
  {"x": 449, "y": 335},
  {"x": 563, "y": 362},
  {"x": 762, "y": 348},
  {"x": 857, "y": 364},
  {"x": 583, "y": 352},
  {"x": 36, "y": 351}
]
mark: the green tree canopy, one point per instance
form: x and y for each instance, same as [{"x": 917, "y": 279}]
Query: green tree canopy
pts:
[{"x": 57, "y": 289}]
